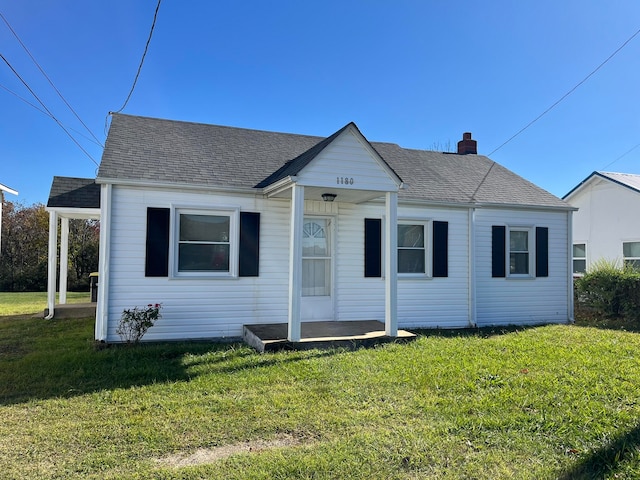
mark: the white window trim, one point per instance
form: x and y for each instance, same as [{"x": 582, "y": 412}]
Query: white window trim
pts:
[
  {"x": 624, "y": 259},
  {"x": 233, "y": 212},
  {"x": 532, "y": 251},
  {"x": 428, "y": 247},
  {"x": 574, "y": 258}
]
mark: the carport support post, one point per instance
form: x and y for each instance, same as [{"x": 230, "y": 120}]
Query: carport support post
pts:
[
  {"x": 391, "y": 265},
  {"x": 53, "y": 258},
  {"x": 64, "y": 259},
  {"x": 295, "y": 262}
]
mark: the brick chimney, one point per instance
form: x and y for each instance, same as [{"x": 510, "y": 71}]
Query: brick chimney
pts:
[{"x": 467, "y": 145}]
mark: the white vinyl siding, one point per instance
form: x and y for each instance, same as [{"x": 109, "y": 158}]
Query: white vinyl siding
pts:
[{"x": 536, "y": 300}]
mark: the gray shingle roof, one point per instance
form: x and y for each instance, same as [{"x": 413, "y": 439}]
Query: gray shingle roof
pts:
[
  {"x": 628, "y": 180},
  {"x": 174, "y": 152},
  {"x": 74, "y": 193}
]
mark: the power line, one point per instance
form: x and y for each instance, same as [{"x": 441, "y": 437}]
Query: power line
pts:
[
  {"x": 47, "y": 110},
  {"x": 45, "y": 113},
  {"x": 566, "y": 94},
  {"x": 144, "y": 54},
  {"x": 48, "y": 79},
  {"x": 623, "y": 155}
]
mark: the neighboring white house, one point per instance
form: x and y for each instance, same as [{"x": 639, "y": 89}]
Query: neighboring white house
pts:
[
  {"x": 607, "y": 223},
  {"x": 228, "y": 226}
]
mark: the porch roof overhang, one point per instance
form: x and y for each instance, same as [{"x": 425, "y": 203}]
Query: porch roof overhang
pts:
[{"x": 282, "y": 189}]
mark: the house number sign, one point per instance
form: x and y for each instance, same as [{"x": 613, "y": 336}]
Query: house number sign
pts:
[{"x": 344, "y": 180}]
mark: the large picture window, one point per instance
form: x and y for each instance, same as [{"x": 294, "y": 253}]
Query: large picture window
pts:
[
  {"x": 205, "y": 243},
  {"x": 412, "y": 248}
]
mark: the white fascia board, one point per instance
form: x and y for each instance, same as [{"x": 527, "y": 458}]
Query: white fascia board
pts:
[
  {"x": 4, "y": 188},
  {"x": 70, "y": 212},
  {"x": 176, "y": 186}
]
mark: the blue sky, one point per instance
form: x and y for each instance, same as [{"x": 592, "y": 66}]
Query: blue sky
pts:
[{"x": 415, "y": 73}]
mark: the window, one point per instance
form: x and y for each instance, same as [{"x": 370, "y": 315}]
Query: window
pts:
[
  {"x": 519, "y": 257},
  {"x": 516, "y": 252},
  {"x": 631, "y": 254},
  {"x": 412, "y": 248},
  {"x": 241, "y": 254},
  {"x": 205, "y": 243},
  {"x": 579, "y": 258}
]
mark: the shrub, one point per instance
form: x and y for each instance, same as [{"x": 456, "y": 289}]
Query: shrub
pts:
[
  {"x": 135, "y": 322},
  {"x": 610, "y": 290}
]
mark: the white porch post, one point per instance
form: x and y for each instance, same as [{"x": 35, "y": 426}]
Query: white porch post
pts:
[
  {"x": 53, "y": 259},
  {"x": 64, "y": 259},
  {"x": 295, "y": 262},
  {"x": 391, "y": 265}
]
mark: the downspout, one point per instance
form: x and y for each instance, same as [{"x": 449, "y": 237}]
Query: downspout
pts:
[
  {"x": 472, "y": 267},
  {"x": 102, "y": 310},
  {"x": 570, "y": 288}
]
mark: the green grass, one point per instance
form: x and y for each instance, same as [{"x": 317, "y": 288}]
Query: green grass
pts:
[
  {"x": 25, "y": 303},
  {"x": 548, "y": 402}
]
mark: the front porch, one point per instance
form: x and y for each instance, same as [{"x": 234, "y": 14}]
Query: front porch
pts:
[{"x": 349, "y": 334}]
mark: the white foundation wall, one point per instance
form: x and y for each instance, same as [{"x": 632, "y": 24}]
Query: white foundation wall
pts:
[{"x": 513, "y": 301}]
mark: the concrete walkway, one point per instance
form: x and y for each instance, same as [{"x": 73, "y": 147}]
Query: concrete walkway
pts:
[{"x": 354, "y": 334}]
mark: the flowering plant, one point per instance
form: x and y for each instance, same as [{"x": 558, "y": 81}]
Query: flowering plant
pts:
[{"x": 135, "y": 322}]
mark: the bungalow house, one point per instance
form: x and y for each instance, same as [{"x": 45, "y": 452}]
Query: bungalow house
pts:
[
  {"x": 228, "y": 226},
  {"x": 606, "y": 226}
]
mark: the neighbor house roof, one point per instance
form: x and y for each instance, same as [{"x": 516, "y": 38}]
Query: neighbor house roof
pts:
[
  {"x": 627, "y": 180},
  {"x": 157, "y": 151},
  {"x": 74, "y": 193}
]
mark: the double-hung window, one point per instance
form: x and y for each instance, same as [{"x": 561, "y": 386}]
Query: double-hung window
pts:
[
  {"x": 205, "y": 242},
  {"x": 631, "y": 254},
  {"x": 520, "y": 257},
  {"x": 412, "y": 248},
  {"x": 579, "y": 258}
]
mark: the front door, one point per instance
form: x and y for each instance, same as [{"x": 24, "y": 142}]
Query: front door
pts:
[{"x": 317, "y": 267}]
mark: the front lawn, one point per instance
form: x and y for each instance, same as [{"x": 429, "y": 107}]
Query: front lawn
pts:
[
  {"x": 546, "y": 402},
  {"x": 22, "y": 303}
]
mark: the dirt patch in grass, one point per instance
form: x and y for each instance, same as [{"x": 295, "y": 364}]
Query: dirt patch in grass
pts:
[{"x": 210, "y": 455}]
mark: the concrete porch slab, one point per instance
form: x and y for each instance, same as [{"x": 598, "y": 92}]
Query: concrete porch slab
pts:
[
  {"x": 72, "y": 310},
  {"x": 353, "y": 334}
]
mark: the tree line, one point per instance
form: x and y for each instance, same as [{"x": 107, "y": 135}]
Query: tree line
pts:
[{"x": 24, "y": 249}]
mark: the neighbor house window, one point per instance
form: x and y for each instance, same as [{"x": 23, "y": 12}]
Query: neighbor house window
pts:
[
  {"x": 412, "y": 248},
  {"x": 519, "y": 251},
  {"x": 631, "y": 254},
  {"x": 205, "y": 243},
  {"x": 579, "y": 258}
]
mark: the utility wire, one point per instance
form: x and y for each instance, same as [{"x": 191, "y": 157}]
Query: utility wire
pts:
[
  {"x": 566, "y": 94},
  {"x": 45, "y": 113},
  {"x": 623, "y": 155},
  {"x": 48, "y": 79},
  {"x": 47, "y": 110},
  {"x": 144, "y": 54}
]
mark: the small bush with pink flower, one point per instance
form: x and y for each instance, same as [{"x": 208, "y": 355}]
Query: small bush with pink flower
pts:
[{"x": 135, "y": 322}]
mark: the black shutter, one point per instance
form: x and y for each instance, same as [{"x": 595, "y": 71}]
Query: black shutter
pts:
[
  {"x": 372, "y": 247},
  {"x": 542, "y": 252},
  {"x": 249, "y": 249},
  {"x": 498, "y": 252},
  {"x": 157, "y": 247},
  {"x": 440, "y": 249}
]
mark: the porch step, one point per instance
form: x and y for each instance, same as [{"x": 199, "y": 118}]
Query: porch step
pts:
[{"x": 354, "y": 334}]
